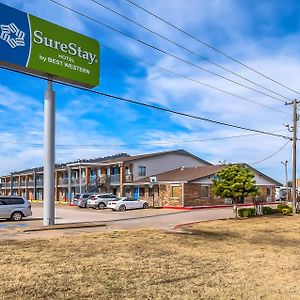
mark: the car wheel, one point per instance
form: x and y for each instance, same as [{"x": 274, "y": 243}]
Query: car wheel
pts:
[
  {"x": 101, "y": 205},
  {"x": 122, "y": 207},
  {"x": 16, "y": 216},
  {"x": 145, "y": 205}
]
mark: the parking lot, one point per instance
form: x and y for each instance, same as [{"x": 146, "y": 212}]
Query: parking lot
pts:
[{"x": 165, "y": 219}]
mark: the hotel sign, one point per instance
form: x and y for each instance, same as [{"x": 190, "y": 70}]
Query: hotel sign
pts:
[{"x": 39, "y": 47}]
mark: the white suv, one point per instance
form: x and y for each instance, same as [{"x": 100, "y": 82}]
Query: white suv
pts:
[{"x": 14, "y": 208}]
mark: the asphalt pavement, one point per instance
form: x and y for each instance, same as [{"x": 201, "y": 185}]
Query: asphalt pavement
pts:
[{"x": 91, "y": 220}]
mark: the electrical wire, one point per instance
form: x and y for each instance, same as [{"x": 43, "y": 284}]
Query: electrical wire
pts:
[
  {"x": 213, "y": 48},
  {"x": 143, "y": 104},
  {"x": 163, "y": 51},
  {"x": 198, "y": 82},
  {"x": 270, "y": 156},
  {"x": 135, "y": 144},
  {"x": 186, "y": 49}
]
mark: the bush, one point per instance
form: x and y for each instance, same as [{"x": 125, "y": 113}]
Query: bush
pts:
[
  {"x": 246, "y": 212},
  {"x": 267, "y": 210},
  {"x": 275, "y": 210},
  {"x": 280, "y": 207},
  {"x": 286, "y": 211}
]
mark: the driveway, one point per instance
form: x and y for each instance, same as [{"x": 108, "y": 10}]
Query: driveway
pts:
[
  {"x": 154, "y": 218},
  {"x": 165, "y": 219}
]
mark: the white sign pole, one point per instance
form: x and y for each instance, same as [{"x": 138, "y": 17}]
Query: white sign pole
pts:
[{"x": 49, "y": 155}]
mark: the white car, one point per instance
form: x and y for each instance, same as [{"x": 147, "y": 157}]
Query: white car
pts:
[{"x": 127, "y": 203}]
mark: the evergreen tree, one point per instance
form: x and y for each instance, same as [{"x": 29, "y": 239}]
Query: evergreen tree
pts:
[{"x": 235, "y": 182}]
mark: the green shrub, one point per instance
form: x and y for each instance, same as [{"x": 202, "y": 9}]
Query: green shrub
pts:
[
  {"x": 267, "y": 210},
  {"x": 286, "y": 211},
  {"x": 246, "y": 212},
  {"x": 280, "y": 207},
  {"x": 252, "y": 211},
  {"x": 275, "y": 210},
  {"x": 240, "y": 212}
]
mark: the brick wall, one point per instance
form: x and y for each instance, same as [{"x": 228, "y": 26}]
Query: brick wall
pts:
[{"x": 192, "y": 196}]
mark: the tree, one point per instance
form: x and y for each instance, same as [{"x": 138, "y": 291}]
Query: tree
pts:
[{"x": 235, "y": 182}]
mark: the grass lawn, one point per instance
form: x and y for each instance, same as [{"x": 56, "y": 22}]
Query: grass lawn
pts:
[{"x": 256, "y": 258}]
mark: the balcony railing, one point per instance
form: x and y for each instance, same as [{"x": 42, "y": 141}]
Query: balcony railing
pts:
[
  {"x": 63, "y": 181},
  {"x": 16, "y": 184},
  {"x": 76, "y": 181},
  {"x": 39, "y": 182},
  {"x": 110, "y": 180},
  {"x": 30, "y": 183},
  {"x": 23, "y": 183}
]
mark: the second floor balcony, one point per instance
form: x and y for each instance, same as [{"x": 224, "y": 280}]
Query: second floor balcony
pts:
[
  {"x": 110, "y": 180},
  {"x": 30, "y": 183},
  {"x": 63, "y": 181},
  {"x": 39, "y": 183}
]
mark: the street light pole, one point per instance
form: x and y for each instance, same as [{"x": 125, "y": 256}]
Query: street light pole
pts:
[{"x": 49, "y": 156}]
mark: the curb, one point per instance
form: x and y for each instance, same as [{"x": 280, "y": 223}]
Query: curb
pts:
[
  {"x": 56, "y": 202},
  {"x": 64, "y": 226},
  {"x": 213, "y": 206}
]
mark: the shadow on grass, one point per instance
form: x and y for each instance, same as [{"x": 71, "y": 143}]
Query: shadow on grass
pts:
[
  {"x": 268, "y": 236},
  {"x": 174, "y": 280},
  {"x": 209, "y": 235}
]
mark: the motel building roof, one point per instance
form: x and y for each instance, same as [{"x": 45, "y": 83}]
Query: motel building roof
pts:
[{"x": 202, "y": 174}]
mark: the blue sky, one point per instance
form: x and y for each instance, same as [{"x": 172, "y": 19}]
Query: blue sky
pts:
[{"x": 262, "y": 34}]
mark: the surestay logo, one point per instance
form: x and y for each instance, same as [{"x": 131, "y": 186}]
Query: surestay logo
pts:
[
  {"x": 40, "y": 47},
  {"x": 12, "y": 35},
  {"x": 70, "y": 48}
]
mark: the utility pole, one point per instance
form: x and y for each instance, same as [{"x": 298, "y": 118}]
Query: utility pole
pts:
[
  {"x": 286, "y": 179},
  {"x": 294, "y": 176}
]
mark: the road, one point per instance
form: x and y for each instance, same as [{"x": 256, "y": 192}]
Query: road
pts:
[
  {"x": 165, "y": 219},
  {"x": 154, "y": 218}
]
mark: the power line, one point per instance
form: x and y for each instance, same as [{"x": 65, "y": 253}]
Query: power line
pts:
[
  {"x": 165, "y": 52},
  {"x": 143, "y": 104},
  {"x": 212, "y": 47},
  {"x": 273, "y": 154},
  {"x": 198, "y": 82},
  {"x": 187, "y": 49},
  {"x": 136, "y": 144}
]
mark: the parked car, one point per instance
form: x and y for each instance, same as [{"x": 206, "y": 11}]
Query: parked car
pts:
[
  {"x": 127, "y": 203},
  {"x": 100, "y": 200},
  {"x": 81, "y": 199},
  {"x": 14, "y": 208}
]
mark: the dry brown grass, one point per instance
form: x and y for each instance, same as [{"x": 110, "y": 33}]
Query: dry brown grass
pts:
[{"x": 235, "y": 259}]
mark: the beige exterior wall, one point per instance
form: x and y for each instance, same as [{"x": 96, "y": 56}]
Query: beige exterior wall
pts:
[{"x": 162, "y": 163}]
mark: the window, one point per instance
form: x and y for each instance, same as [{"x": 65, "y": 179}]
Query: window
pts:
[
  {"x": 176, "y": 191},
  {"x": 13, "y": 201},
  {"x": 204, "y": 191},
  {"x": 142, "y": 192},
  {"x": 141, "y": 171}
]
